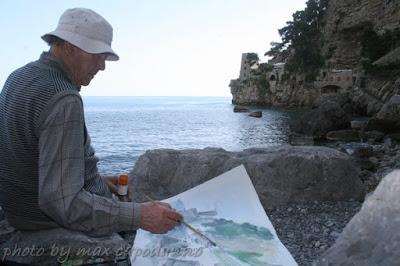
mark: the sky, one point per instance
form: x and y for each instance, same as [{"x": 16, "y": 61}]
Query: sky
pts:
[{"x": 166, "y": 47}]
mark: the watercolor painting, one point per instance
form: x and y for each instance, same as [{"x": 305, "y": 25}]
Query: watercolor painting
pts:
[{"x": 227, "y": 210}]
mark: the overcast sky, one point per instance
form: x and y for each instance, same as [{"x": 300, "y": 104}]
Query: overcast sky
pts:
[{"x": 167, "y": 47}]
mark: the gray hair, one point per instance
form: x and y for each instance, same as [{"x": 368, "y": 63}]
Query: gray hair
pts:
[{"x": 54, "y": 41}]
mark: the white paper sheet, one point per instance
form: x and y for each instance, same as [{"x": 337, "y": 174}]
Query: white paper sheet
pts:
[{"x": 228, "y": 211}]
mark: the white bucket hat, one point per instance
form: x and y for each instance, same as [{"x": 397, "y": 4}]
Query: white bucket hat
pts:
[{"x": 85, "y": 29}]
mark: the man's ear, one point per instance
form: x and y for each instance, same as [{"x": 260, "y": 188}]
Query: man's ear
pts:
[{"x": 69, "y": 49}]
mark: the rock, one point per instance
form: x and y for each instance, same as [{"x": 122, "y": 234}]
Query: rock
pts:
[
  {"x": 6, "y": 229},
  {"x": 372, "y": 237},
  {"x": 363, "y": 151},
  {"x": 391, "y": 58},
  {"x": 257, "y": 114},
  {"x": 348, "y": 19},
  {"x": 388, "y": 118},
  {"x": 341, "y": 38},
  {"x": 358, "y": 125},
  {"x": 387, "y": 142},
  {"x": 370, "y": 181},
  {"x": 343, "y": 135},
  {"x": 62, "y": 246},
  {"x": 280, "y": 174},
  {"x": 394, "y": 136},
  {"x": 373, "y": 107},
  {"x": 375, "y": 135},
  {"x": 301, "y": 140},
  {"x": 318, "y": 122},
  {"x": 240, "y": 109},
  {"x": 366, "y": 164},
  {"x": 342, "y": 99}
]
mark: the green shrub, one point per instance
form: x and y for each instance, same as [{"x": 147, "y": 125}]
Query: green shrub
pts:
[{"x": 263, "y": 86}]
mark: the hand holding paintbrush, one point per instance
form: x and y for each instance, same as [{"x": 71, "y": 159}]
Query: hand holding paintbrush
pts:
[
  {"x": 186, "y": 224},
  {"x": 158, "y": 218}
]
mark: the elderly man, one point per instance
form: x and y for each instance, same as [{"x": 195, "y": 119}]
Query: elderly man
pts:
[{"x": 48, "y": 172}]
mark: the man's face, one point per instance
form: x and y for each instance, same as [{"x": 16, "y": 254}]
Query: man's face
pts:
[{"x": 84, "y": 66}]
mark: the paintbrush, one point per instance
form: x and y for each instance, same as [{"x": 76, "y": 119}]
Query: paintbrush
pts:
[{"x": 188, "y": 225}]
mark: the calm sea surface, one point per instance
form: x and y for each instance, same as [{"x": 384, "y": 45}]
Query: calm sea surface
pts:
[{"x": 123, "y": 128}]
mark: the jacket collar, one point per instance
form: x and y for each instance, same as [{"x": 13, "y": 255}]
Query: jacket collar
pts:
[{"x": 50, "y": 60}]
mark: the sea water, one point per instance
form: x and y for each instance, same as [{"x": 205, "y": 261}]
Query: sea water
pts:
[{"x": 123, "y": 128}]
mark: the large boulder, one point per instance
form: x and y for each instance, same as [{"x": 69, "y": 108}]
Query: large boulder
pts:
[
  {"x": 318, "y": 122},
  {"x": 281, "y": 175},
  {"x": 343, "y": 99},
  {"x": 364, "y": 104},
  {"x": 388, "y": 118},
  {"x": 372, "y": 237}
]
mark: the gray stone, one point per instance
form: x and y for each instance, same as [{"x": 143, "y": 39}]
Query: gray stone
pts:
[
  {"x": 387, "y": 142},
  {"x": 388, "y": 118},
  {"x": 240, "y": 109},
  {"x": 280, "y": 174},
  {"x": 375, "y": 135},
  {"x": 301, "y": 140},
  {"x": 394, "y": 136},
  {"x": 59, "y": 245},
  {"x": 343, "y": 135},
  {"x": 318, "y": 122},
  {"x": 372, "y": 237},
  {"x": 373, "y": 107},
  {"x": 366, "y": 164},
  {"x": 256, "y": 114},
  {"x": 391, "y": 58},
  {"x": 363, "y": 151},
  {"x": 357, "y": 124},
  {"x": 6, "y": 230}
]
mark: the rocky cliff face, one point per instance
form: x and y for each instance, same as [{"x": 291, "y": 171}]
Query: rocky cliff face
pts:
[
  {"x": 343, "y": 27},
  {"x": 346, "y": 21},
  {"x": 267, "y": 84}
]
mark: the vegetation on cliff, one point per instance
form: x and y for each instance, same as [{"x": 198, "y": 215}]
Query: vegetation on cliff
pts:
[
  {"x": 301, "y": 40},
  {"x": 374, "y": 46}
]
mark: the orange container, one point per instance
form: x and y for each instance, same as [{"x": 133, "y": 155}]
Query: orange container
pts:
[{"x": 123, "y": 180}]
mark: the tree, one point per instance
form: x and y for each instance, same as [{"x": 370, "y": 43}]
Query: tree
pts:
[
  {"x": 302, "y": 35},
  {"x": 252, "y": 58}
]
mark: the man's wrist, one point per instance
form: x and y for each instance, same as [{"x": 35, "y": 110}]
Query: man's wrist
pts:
[{"x": 137, "y": 215}]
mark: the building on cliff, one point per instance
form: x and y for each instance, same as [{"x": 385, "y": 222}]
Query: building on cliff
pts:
[
  {"x": 335, "y": 81},
  {"x": 249, "y": 62},
  {"x": 255, "y": 82},
  {"x": 352, "y": 34}
]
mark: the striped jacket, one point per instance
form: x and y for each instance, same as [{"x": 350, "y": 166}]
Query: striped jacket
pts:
[{"x": 48, "y": 169}]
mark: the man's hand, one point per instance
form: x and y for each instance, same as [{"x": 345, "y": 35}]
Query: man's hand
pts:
[
  {"x": 112, "y": 183},
  {"x": 158, "y": 217}
]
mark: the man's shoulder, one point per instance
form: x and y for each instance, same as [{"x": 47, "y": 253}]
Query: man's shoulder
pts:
[
  {"x": 42, "y": 79},
  {"x": 38, "y": 86}
]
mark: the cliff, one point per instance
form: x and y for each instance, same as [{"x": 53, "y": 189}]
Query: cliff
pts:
[
  {"x": 346, "y": 21},
  {"x": 352, "y": 37}
]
